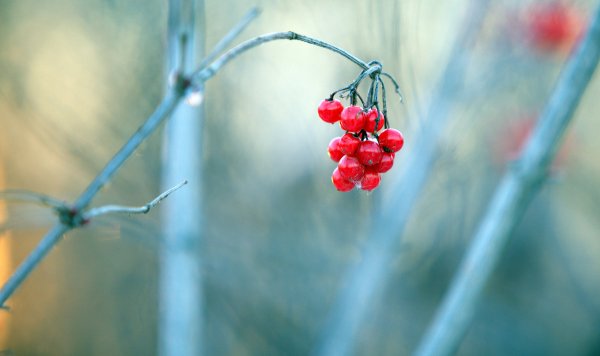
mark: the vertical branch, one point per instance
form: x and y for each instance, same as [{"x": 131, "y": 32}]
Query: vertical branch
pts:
[
  {"x": 514, "y": 193},
  {"x": 389, "y": 221},
  {"x": 181, "y": 301}
]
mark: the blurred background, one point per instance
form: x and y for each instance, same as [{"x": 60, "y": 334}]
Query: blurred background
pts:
[{"x": 77, "y": 78}]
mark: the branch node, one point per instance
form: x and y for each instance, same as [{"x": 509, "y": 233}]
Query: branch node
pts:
[{"x": 71, "y": 216}]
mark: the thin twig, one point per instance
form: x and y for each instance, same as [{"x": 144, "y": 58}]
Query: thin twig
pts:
[
  {"x": 32, "y": 260},
  {"x": 228, "y": 38},
  {"x": 121, "y": 209},
  {"x": 163, "y": 111},
  {"x": 32, "y": 197},
  {"x": 208, "y": 72},
  {"x": 513, "y": 195}
]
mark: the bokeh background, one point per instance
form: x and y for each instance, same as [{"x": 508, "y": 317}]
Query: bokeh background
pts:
[{"x": 77, "y": 78}]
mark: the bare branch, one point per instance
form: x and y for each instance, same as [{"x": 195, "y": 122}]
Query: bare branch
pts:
[
  {"x": 513, "y": 195},
  {"x": 32, "y": 260},
  {"x": 229, "y": 37},
  {"x": 121, "y": 209},
  {"x": 164, "y": 110},
  {"x": 208, "y": 72}
]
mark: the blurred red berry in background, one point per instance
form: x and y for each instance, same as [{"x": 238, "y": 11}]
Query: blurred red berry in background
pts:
[{"x": 553, "y": 26}]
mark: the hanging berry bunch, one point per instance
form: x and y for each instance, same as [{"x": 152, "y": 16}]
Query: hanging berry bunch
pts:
[{"x": 368, "y": 147}]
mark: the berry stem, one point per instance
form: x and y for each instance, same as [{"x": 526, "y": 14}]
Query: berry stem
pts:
[{"x": 386, "y": 123}]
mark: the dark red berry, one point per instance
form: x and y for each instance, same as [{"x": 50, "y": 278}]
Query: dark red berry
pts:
[
  {"x": 371, "y": 119},
  {"x": 342, "y": 184},
  {"x": 349, "y": 144},
  {"x": 350, "y": 168},
  {"x": 370, "y": 180},
  {"x": 330, "y": 110},
  {"x": 387, "y": 161},
  {"x": 391, "y": 140},
  {"x": 352, "y": 118},
  {"x": 334, "y": 150},
  {"x": 369, "y": 153}
]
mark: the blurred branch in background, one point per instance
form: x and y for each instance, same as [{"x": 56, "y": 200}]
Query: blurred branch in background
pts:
[
  {"x": 181, "y": 300},
  {"x": 389, "y": 221},
  {"x": 512, "y": 197}
]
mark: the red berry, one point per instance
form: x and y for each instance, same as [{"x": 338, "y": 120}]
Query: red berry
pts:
[
  {"x": 371, "y": 118},
  {"x": 387, "y": 161},
  {"x": 334, "y": 150},
  {"x": 342, "y": 184},
  {"x": 391, "y": 140},
  {"x": 553, "y": 25},
  {"x": 330, "y": 110},
  {"x": 350, "y": 168},
  {"x": 349, "y": 144},
  {"x": 352, "y": 118},
  {"x": 369, "y": 153},
  {"x": 370, "y": 180}
]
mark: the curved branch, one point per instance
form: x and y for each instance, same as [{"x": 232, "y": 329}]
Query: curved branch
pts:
[{"x": 203, "y": 74}]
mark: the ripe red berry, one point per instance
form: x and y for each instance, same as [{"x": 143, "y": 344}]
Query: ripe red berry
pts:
[
  {"x": 369, "y": 153},
  {"x": 330, "y": 110},
  {"x": 349, "y": 144},
  {"x": 352, "y": 118},
  {"x": 372, "y": 118},
  {"x": 549, "y": 25},
  {"x": 334, "y": 150},
  {"x": 350, "y": 168},
  {"x": 387, "y": 161},
  {"x": 391, "y": 140},
  {"x": 370, "y": 180},
  {"x": 342, "y": 184}
]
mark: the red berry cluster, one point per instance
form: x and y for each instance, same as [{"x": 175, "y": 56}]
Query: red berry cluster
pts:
[{"x": 363, "y": 152}]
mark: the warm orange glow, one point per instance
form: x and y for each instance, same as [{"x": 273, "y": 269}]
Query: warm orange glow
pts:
[{"x": 5, "y": 268}]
